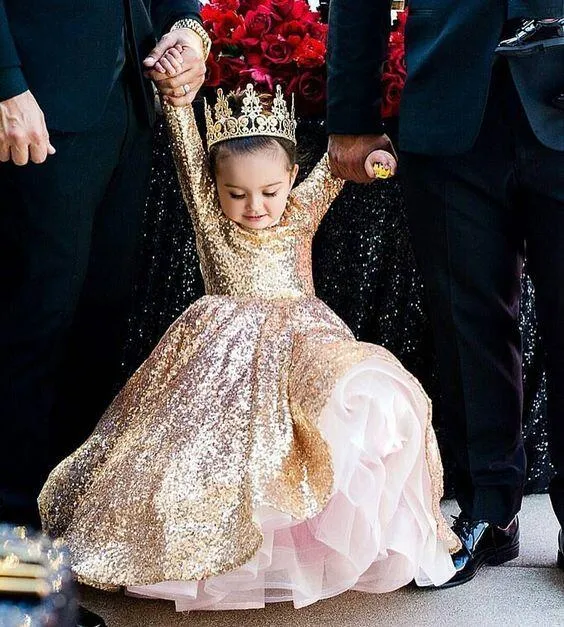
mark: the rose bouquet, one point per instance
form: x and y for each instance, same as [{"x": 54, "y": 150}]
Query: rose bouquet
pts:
[
  {"x": 268, "y": 42},
  {"x": 284, "y": 42}
]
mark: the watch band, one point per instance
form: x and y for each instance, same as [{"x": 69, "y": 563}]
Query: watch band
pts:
[{"x": 198, "y": 29}]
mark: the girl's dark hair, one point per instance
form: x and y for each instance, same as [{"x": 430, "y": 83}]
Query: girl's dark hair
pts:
[{"x": 248, "y": 145}]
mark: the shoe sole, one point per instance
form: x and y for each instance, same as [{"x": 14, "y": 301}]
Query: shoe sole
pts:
[
  {"x": 496, "y": 558},
  {"x": 527, "y": 49}
]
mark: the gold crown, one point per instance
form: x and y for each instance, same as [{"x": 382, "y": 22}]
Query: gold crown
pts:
[{"x": 254, "y": 119}]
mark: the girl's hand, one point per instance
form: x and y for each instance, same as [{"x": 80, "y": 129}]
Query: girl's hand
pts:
[
  {"x": 171, "y": 61},
  {"x": 380, "y": 164}
]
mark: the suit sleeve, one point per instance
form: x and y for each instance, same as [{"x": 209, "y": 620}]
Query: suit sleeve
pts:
[
  {"x": 358, "y": 42},
  {"x": 165, "y": 12},
  {"x": 12, "y": 81}
]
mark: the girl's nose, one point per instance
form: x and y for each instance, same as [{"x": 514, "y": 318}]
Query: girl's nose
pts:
[{"x": 254, "y": 203}]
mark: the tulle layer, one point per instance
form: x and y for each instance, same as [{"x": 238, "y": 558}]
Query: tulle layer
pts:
[{"x": 380, "y": 529}]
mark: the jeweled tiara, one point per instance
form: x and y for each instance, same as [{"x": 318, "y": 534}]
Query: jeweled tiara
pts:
[{"x": 254, "y": 119}]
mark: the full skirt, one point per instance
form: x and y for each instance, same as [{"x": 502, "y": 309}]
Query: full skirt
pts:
[{"x": 260, "y": 454}]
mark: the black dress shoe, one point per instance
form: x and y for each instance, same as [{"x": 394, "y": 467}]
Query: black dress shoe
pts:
[
  {"x": 534, "y": 35},
  {"x": 560, "y": 556},
  {"x": 482, "y": 543},
  {"x": 86, "y": 618}
]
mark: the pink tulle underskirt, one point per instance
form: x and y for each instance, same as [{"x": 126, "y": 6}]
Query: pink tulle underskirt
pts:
[{"x": 378, "y": 531}]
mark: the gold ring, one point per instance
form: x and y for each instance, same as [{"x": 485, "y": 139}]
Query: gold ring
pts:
[{"x": 382, "y": 171}]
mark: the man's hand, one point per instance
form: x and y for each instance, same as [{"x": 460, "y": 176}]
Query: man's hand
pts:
[
  {"x": 348, "y": 153},
  {"x": 179, "y": 81},
  {"x": 23, "y": 133}
]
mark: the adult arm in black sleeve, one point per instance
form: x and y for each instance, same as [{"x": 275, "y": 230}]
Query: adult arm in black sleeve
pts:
[
  {"x": 358, "y": 39},
  {"x": 165, "y": 13},
  {"x": 180, "y": 24},
  {"x": 12, "y": 81}
]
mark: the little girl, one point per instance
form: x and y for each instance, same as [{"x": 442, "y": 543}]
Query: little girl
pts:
[{"x": 260, "y": 453}]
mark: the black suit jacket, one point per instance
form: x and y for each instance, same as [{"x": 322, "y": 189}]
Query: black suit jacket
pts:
[
  {"x": 450, "y": 48},
  {"x": 65, "y": 51}
]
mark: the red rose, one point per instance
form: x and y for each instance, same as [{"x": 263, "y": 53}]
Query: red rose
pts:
[
  {"x": 292, "y": 31},
  {"x": 210, "y": 14},
  {"x": 276, "y": 49},
  {"x": 293, "y": 10},
  {"x": 396, "y": 54},
  {"x": 283, "y": 8},
  {"x": 283, "y": 74},
  {"x": 253, "y": 58},
  {"x": 309, "y": 89},
  {"x": 395, "y": 64},
  {"x": 392, "y": 86},
  {"x": 310, "y": 53},
  {"x": 317, "y": 30},
  {"x": 231, "y": 70},
  {"x": 224, "y": 25},
  {"x": 258, "y": 22},
  {"x": 239, "y": 38}
]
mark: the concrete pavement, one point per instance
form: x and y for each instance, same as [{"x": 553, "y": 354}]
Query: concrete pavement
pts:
[{"x": 529, "y": 591}]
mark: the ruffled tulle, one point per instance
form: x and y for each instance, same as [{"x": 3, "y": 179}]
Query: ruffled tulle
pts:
[{"x": 379, "y": 530}]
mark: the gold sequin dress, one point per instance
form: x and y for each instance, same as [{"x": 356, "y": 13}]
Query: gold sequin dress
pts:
[{"x": 260, "y": 453}]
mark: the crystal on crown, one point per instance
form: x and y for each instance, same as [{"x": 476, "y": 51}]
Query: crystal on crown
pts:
[{"x": 253, "y": 121}]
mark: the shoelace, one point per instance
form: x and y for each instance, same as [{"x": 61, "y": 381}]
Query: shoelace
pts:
[{"x": 461, "y": 525}]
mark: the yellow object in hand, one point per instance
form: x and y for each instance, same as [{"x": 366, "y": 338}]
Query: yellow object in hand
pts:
[{"x": 382, "y": 171}]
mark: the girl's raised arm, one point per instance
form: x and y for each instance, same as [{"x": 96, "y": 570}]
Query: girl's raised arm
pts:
[
  {"x": 192, "y": 165},
  {"x": 318, "y": 191}
]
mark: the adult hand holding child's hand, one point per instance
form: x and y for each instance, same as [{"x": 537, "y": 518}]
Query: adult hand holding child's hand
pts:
[
  {"x": 347, "y": 155},
  {"x": 176, "y": 66}
]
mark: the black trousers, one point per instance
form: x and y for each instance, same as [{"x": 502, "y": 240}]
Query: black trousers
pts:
[
  {"x": 471, "y": 218},
  {"x": 69, "y": 233}
]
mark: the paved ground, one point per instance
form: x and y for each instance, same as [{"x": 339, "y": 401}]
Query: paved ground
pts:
[{"x": 529, "y": 591}]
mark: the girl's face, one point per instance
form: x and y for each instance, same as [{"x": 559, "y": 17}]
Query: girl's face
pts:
[{"x": 253, "y": 188}]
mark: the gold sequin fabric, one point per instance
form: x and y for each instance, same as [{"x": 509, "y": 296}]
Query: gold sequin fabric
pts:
[{"x": 222, "y": 418}]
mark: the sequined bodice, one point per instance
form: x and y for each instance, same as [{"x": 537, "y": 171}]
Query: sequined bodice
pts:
[
  {"x": 267, "y": 263},
  {"x": 270, "y": 263}
]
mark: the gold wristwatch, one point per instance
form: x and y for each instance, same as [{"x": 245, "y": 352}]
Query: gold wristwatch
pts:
[{"x": 195, "y": 26}]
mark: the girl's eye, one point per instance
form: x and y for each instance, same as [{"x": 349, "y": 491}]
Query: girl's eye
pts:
[
  {"x": 270, "y": 194},
  {"x": 237, "y": 196}
]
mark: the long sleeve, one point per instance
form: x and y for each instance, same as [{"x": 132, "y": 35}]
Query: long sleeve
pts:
[
  {"x": 12, "y": 81},
  {"x": 358, "y": 38},
  {"x": 191, "y": 160},
  {"x": 317, "y": 192},
  {"x": 165, "y": 12}
]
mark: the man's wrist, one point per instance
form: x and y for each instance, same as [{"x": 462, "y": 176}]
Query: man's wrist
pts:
[
  {"x": 12, "y": 83},
  {"x": 199, "y": 32}
]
